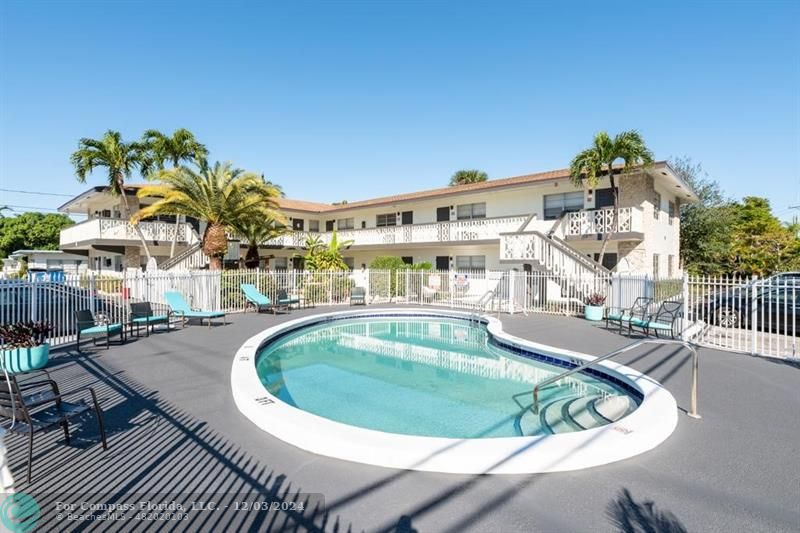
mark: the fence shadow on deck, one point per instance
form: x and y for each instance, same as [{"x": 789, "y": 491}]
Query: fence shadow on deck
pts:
[{"x": 157, "y": 453}]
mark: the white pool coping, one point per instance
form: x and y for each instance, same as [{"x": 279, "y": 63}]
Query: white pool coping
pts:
[{"x": 645, "y": 428}]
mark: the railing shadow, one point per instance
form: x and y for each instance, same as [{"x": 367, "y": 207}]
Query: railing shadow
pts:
[{"x": 156, "y": 453}]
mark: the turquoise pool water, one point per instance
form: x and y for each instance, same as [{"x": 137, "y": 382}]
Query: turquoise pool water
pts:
[{"x": 426, "y": 376}]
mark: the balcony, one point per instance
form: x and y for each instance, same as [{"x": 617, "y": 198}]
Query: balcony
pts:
[
  {"x": 588, "y": 223},
  {"x": 458, "y": 231},
  {"x": 117, "y": 231}
]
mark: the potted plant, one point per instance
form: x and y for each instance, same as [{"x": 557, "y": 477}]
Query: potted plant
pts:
[
  {"x": 24, "y": 347},
  {"x": 594, "y": 307}
]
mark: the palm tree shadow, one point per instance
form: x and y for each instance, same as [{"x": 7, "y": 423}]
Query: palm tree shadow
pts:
[{"x": 629, "y": 516}]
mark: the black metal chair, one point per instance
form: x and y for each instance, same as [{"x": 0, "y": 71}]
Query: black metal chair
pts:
[
  {"x": 36, "y": 406},
  {"x": 142, "y": 315},
  {"x": 625, "y": 315},
  {"x": 88, "y": 327},
  {"x": 358, "y": 296},
  {"x": 662, "y": 320}
]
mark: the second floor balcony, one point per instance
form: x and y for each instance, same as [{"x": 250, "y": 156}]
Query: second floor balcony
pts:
[
  {"x": 456, "y": 231},
  {"x": 119, "y": 231},
  {"x": 588, "y": 223}
]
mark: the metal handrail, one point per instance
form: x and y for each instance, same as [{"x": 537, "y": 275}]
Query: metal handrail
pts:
[{"x": 692, "y": 403}]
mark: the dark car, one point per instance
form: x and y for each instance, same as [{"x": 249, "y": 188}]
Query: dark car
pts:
[{"x": 769, "y": 304}]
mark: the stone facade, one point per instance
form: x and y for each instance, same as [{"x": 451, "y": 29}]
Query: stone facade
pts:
[{"x": 132, "y": 257}]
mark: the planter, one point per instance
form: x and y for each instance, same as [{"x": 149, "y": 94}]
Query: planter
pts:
[
  {"x": 18, "y": 360},
  {"x": 593, "y": 312}
]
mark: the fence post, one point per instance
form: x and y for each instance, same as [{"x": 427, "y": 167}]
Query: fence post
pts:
[
  {"x": 753, "y": 316},
  {"x": 686, "y": 309},
  {"x": 92, "y": 292},
  {"x": 510, "y": 295}
]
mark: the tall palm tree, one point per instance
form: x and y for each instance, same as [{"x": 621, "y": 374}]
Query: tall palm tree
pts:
[
  {"x": 257, "y": 230},
  {"x": 592, "y": 164},
  {"x": 221, "y": 195},
  {"x": 181, "y": 146},
  {"x": 462, "y": 177},
  {"x": 119, "y": 158}
]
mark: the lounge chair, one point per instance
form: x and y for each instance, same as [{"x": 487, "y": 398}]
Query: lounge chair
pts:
[
  {"x": 358, "y": 296},
  {"x": 180, "y": 308},
  {"x": 283, "y": 299},
  {"x": 624, "y": 315},
  {"x": 142, "y": 315},
  {"x": 38, "y": 405},
  {"x": 88, "y": 327},
  {"x": 257, "y": 299},
  {"x": 662, "y": 320}
]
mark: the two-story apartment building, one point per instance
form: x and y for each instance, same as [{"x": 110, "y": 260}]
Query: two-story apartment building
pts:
[{"x": 537, "y": 221}]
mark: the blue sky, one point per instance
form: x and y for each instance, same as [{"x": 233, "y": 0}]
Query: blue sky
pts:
[{"x": 350, "y": 100}]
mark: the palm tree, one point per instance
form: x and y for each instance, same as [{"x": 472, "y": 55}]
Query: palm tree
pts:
[
  {"x": 592, "y": 164},
  {"x": 119, "y": 158},
  {"x": 180, "y": 147},
  {"x": 221, "y": 195},
  {"x": 256, "y": 231},
  {"x": 463, "y": 177}
]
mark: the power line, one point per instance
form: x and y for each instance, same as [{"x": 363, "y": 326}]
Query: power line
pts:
[
  {"x": 37, "y": 193},
  {"x": 14, "y": 207}
]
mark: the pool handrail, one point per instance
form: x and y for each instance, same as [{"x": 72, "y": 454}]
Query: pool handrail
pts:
[{"x": 693, "y": 400}]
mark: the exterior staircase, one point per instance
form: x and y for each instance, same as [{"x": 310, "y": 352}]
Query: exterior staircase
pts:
[
  {"x": 192, "y": 258},
  {"x": 577, "y": 274}
]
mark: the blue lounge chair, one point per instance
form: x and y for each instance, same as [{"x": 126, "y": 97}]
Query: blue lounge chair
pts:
[
  {"x": 256, "y": 299},
  {"x": 88, "y": 327},
  {"x": 180, "y": 308},
  {"x": 142, "y": 315}
]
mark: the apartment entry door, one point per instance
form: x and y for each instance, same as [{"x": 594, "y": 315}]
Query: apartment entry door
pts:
[
  {"x": 443, "y": 214},
  {"x": 442, "y": 262}
]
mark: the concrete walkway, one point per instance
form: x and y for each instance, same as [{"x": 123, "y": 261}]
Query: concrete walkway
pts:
[{"x": 173, "y": 428}]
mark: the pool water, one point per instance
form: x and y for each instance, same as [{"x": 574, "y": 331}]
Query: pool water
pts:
[{"x": 428, "y": 376}]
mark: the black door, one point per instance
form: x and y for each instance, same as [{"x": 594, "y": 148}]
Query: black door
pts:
[
  {"x": 603, "y": 198},
  {"x": 329, "y": 225},
  {"x": 442, "y": 214},
  {"x": 407, "y": 217},
  {"x": 609, "y": 260},
  {"x": 298, "y": 224},
  {"x": 442, "y": 262}
]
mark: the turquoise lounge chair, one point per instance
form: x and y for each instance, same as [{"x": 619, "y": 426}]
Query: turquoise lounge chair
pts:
[
  {"x": 663, "y": 320},
  {"x": 256, "y": 299},
  {"x": 180, "y": 308}
]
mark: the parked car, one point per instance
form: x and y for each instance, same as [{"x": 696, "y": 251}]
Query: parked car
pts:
[{"x": 769, "y": 304}]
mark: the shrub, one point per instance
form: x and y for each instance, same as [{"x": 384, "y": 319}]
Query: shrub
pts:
[
  {"x": 393, "y": 264},
  {"x": 595, "y": 299},
  {"x": 24, "y": 334}
]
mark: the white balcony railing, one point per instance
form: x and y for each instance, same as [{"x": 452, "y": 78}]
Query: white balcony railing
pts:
[
  {"x": 113, "y": 229},
  {"x": 594, "y": 221},
  {"x": 455, "y": 231}
]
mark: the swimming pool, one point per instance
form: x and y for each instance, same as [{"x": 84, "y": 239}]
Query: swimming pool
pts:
[{"x": 442, "y": 391}]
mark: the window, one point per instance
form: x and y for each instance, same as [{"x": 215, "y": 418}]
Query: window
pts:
[
  {"x": 467, "y": 211},
  {"x": 345, "y": 223},
  {"x": 556, "y": 205},
  {"x": 671, "y": 212},
  {"x": 656, "y": 206},
  {"x": 471, "y": 262},
  {"x": 313, "y": 225},
  {"x": 389, "y": 219},
  {"x": 280, "y": 263},
  {"x": 670, "y": 265},
  {"x": 656, "y": 260},
  {"x": 407, "y": 259}
]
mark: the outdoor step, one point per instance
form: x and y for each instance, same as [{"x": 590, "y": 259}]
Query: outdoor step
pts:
[
  {"x": 582, "y": 413},
  {"x": 555, "y": 417}
]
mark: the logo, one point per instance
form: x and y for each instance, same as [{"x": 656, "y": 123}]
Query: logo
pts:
[{"x": 19, "y": 512}]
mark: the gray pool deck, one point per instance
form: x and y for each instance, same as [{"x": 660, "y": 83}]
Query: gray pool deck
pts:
[{"x": 173, "y": 428}]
